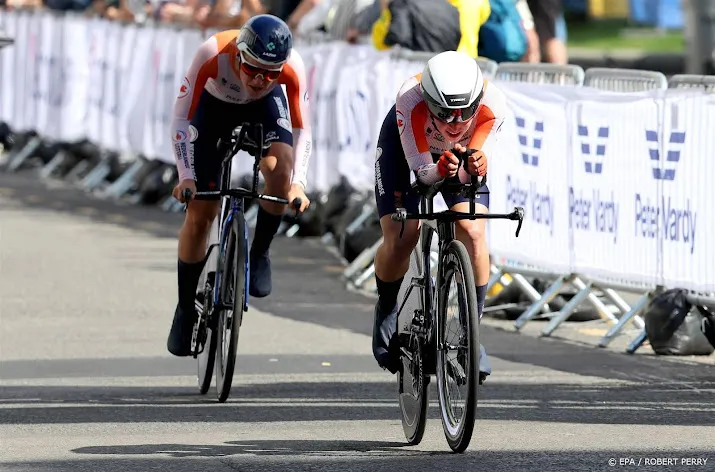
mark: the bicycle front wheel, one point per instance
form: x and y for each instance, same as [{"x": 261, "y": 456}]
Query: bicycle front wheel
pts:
[
  {"x": 233, "y": 293},
  {"x": 457, "y": 349}
]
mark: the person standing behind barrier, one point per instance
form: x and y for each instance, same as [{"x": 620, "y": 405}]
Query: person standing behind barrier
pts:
[
  {"x": 546, "y": 18},
  {"x": 418, "y": 25},
  {"x": 235, "y": 76},
  {"x": 449, "y": 105}
]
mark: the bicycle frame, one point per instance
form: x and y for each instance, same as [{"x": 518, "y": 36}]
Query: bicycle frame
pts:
[
  {"x": 233, "y": 199},
  {"x": 441, "y": 223}
]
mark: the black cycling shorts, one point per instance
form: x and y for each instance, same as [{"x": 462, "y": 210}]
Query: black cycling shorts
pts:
[
  {"x": 392, "y": 174},
  {"x": 215, "y": 119},
  {"x": 545, "y": 13}
]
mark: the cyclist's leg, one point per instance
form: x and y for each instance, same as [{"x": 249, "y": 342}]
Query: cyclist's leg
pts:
[
  {"x": 392, "y": 184},
  {"x": 472, "y": 233},
  {"x": 277, "y": 168},
  {"x": 212, "y": 119}
]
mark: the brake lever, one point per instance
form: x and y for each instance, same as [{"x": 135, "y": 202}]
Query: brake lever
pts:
[
  {"x": 400, "y": 215},
  {"x": 518, "y": 214}
]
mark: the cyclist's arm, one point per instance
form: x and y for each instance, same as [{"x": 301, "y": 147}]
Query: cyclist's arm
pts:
[
  {"x": 412, "y": 116},
  {"x": 203, "y": 66},
  {"x": 489, "y": 123},
  {"x": 296, "y": 82}
]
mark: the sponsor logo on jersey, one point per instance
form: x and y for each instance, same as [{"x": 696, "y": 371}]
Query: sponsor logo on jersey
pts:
[
  {"x": 281, "y": 108},
  {"x": 400, "y": 122},
  {"x": 185, "y": 87},
  {"x": 285, "y": 124},
  {"x": 193, "y": 133},
  {"x": 179, "y": 136}
]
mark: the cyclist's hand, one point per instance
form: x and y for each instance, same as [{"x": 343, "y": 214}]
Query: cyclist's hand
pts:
[
  {"x": 178, "y": 192},
  {"x": 448, "y": 165},
  {"x": 477, "y": 164},
  {"x": 297, "y": 191}
]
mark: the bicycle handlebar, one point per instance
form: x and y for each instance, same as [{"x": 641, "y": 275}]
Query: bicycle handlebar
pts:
[
  {"x": 238, "y": 193},
  {"x": 470, "y": 189},
  {"x": 253, "y": 144}
]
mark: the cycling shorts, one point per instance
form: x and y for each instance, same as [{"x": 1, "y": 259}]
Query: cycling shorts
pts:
[
  {"x": 215, "y": 119},
  {"x": 392, "y": 174}
]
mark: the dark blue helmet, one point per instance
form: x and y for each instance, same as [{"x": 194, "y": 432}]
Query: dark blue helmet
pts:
[{"x": 267, "y": 39}]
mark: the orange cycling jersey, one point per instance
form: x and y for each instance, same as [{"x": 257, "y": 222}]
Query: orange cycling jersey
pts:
[
  {"x": 215, "y": 69},
  {"x": 420, "y": 138}
]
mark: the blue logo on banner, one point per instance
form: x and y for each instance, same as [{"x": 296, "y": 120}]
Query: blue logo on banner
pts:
[
  {"x": 672, "y": 155},
  {"x": 593, "y": 147},
  {"x": 530, "y": 151},
  {"x": 536, "y": 200},
  {"x": 665, "y": 220},
  {"x": 595, "y": 212}
]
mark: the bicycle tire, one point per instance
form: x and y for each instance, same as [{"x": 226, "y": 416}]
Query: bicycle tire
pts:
[
  {"x": 234, "y": 276},
  {"x": 207, "y": 358},
  {"x": 455, "y": 259},
  {"x": 413, "y": 407}
]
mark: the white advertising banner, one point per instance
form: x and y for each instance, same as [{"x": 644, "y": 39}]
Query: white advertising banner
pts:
[
  {"x": 615, "y": 187},
  {"x": 684, "y": 215},
  {"x": 75, "y": 81},
  {"x": 607, "y": 211},
  {"x": 532, "y": 171}
]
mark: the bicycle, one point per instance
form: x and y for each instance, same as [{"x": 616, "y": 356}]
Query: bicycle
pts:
[
  {"x": 221, "y": 302},
  {"x": 421, "y": 342}
]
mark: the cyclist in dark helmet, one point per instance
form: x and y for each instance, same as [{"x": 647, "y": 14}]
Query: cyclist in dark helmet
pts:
[{"x": 235, "y": 77}]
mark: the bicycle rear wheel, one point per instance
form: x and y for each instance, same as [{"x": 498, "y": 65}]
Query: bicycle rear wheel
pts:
[
  {"x": 204, "y": 303},
  {"x": 412, "y": 379},
  {"x": 233, "y": 295},
  {"x": 462, "y": 369}
]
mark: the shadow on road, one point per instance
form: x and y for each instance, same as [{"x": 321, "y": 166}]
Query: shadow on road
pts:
[{"x": 362, "y": 456}]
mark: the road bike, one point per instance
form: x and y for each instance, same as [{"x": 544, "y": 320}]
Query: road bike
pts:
[
  {"x": 222, "y": 295},
  {"x": 423, "y": 315}
]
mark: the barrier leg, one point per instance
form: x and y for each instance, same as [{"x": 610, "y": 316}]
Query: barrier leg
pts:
[
  {"x": 74, "y": 174},
  {"x": 292, "y": 231},
  {"x": 96, "y": 176},
  {"x": 529, "y": 290},
  {"x": 624, "y": 319},
  {"x": 636, "y": 343},
  {"x": 623, "y": 306},
  {"x": 125, "y": 181},
  {"x": 54, "y": 163},
  {"x": 496, "y": 276},
  {"x": 23, "y": 154},
  {"x": 545, "y": 298},
  {"x": 567, "y": 310},
  {"x": 596, "y": 302},
  {"x": 361, "y": 260},
  {"x": 366, "y": 274},
  {"x": 167, "y": 203}
]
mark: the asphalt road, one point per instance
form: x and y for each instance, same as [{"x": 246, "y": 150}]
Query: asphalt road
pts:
[{"x": 87, "y": 290}]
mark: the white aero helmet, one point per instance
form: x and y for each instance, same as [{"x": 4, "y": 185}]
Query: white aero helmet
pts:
[{"x": 452, "y": 85}]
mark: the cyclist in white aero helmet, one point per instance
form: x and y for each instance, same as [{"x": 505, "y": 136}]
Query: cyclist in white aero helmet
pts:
[
  {"x": 452, "y": 86},
  {"x": 448, "y": 106}
]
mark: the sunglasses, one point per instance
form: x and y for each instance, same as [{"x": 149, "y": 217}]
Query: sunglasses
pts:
[
  {"x": 253, "y": 71},
  {"x": 448, "y": 115}
]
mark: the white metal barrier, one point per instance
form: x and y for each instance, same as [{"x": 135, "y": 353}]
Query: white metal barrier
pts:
[{"x": 610, "y": 203}]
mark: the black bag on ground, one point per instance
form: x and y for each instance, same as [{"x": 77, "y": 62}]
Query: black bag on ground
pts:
[
  {"x": 673, "y": 328},
  {"x": 707, "y": 325}
]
